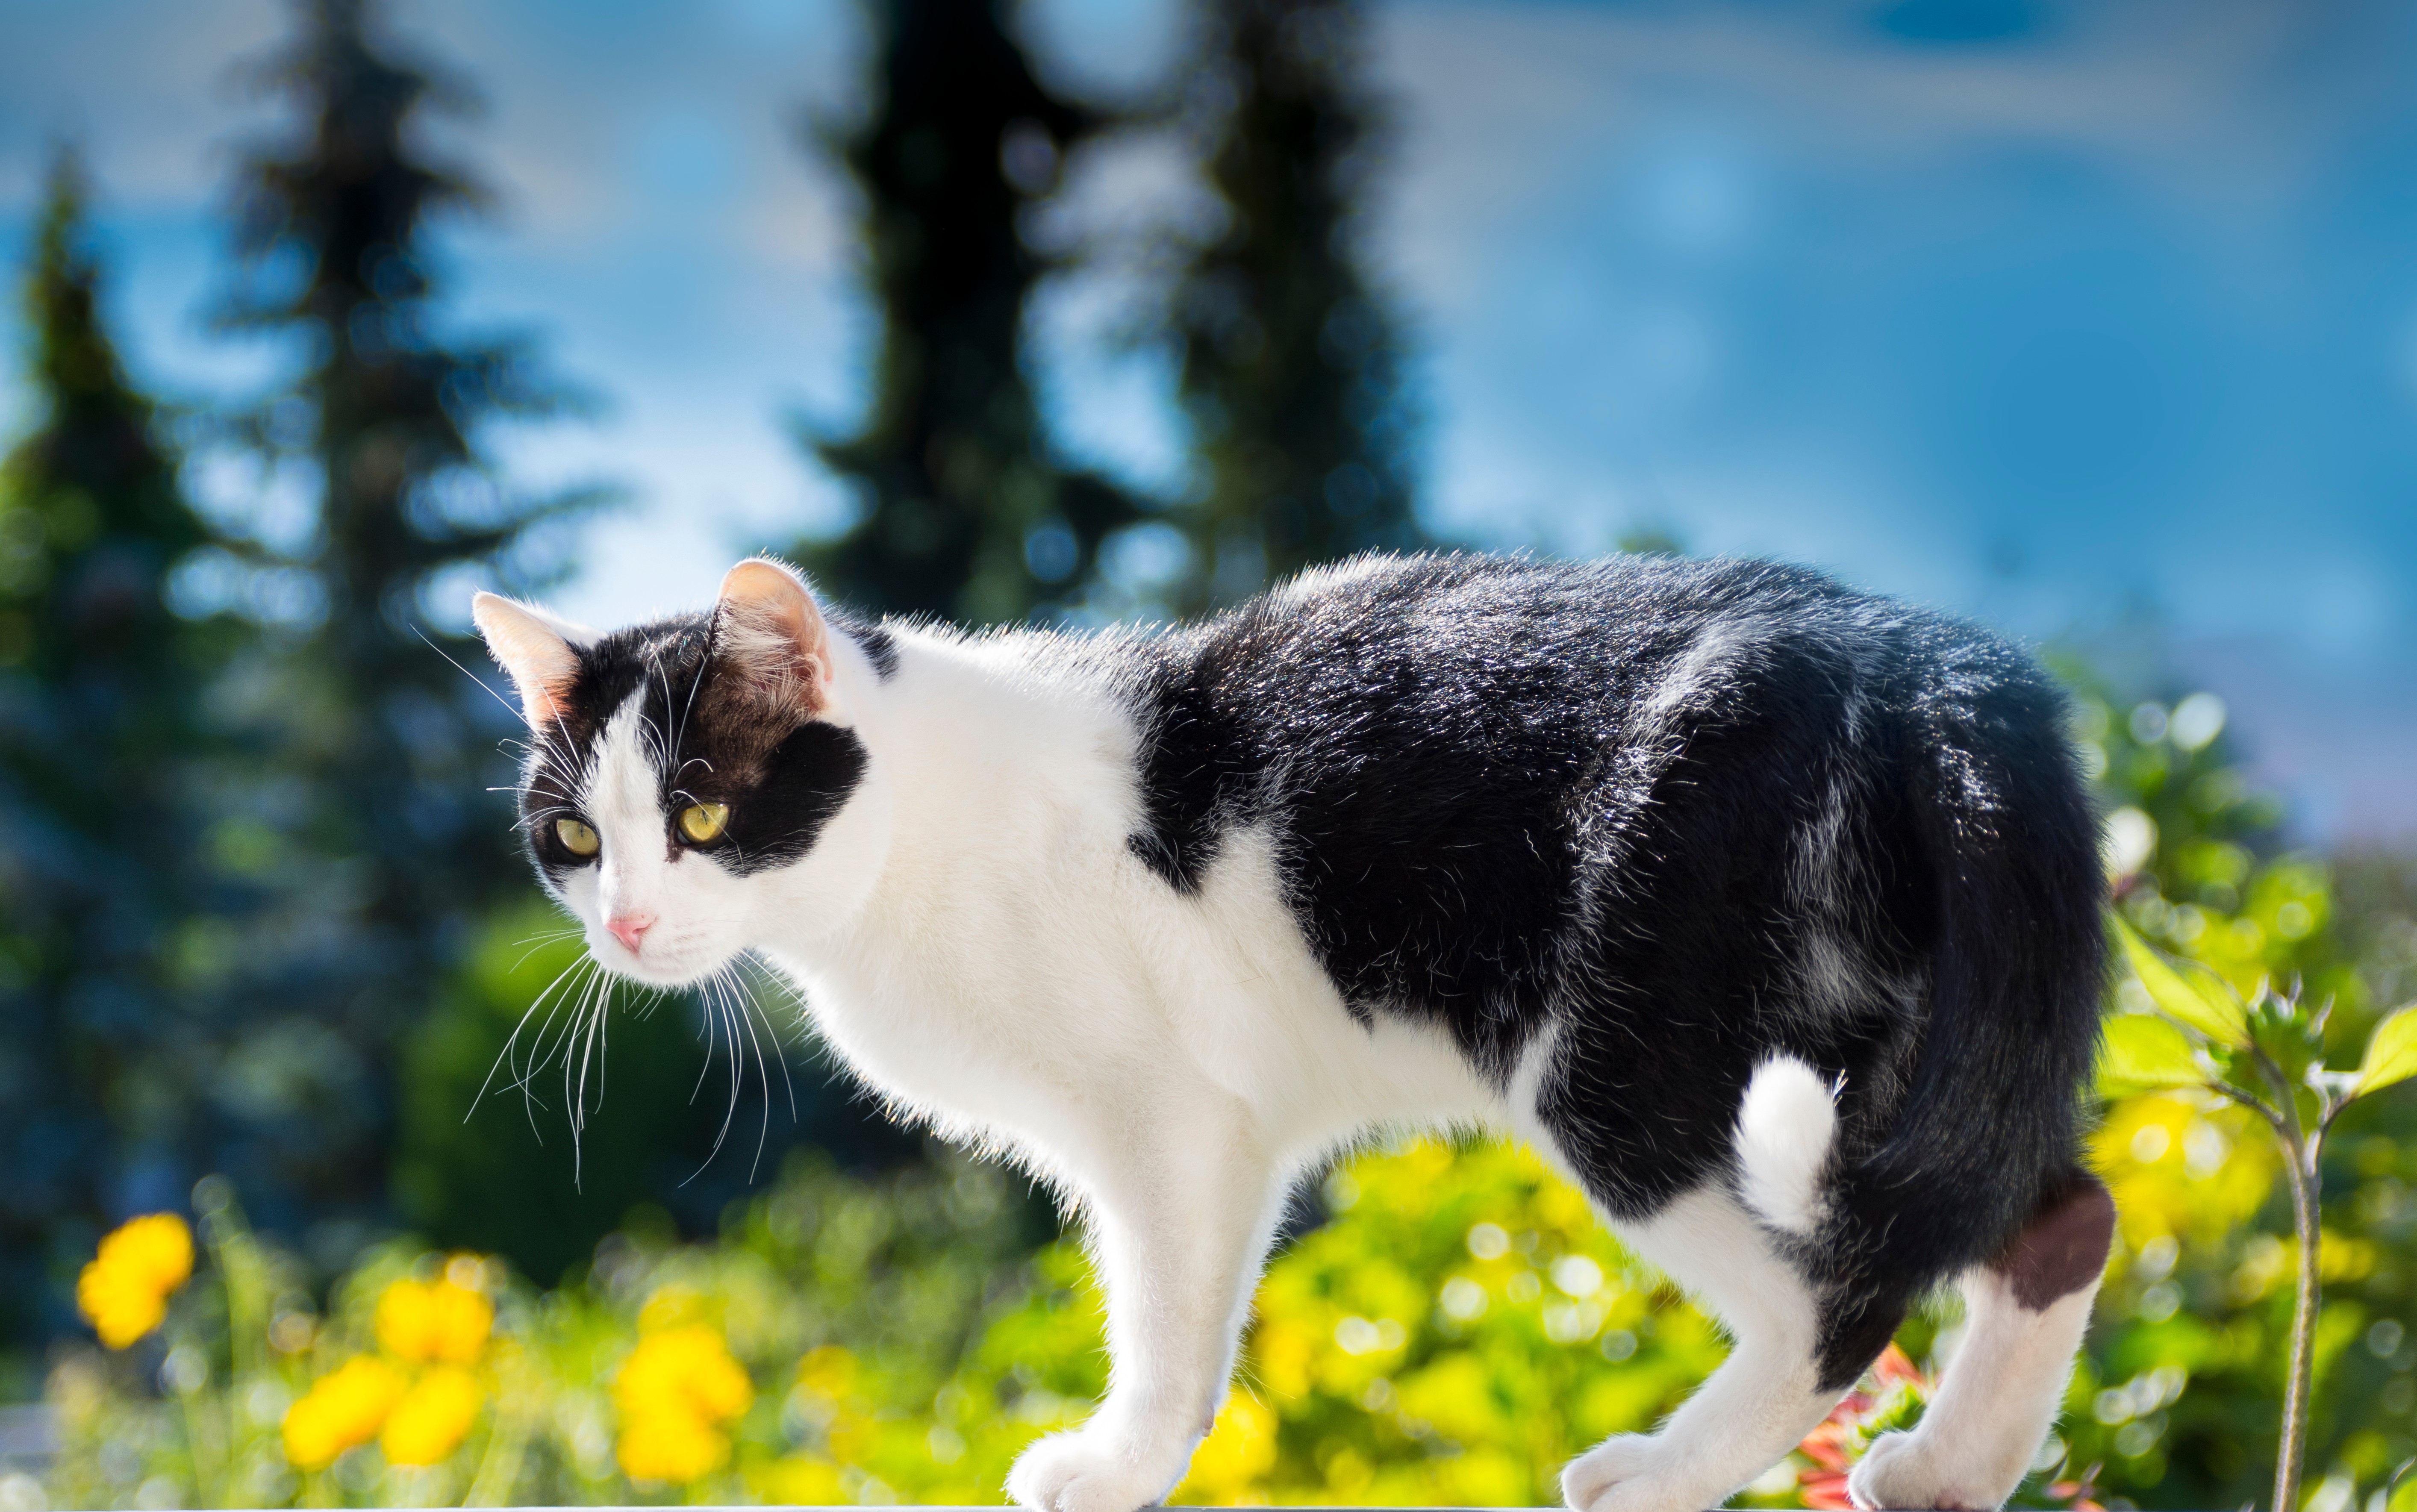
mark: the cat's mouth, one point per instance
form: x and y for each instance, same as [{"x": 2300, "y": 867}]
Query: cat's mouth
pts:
[{"x": 669, "y": 962}]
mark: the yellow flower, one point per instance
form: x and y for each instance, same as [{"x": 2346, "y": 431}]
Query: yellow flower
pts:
[
  {"x": 124, "y": 1292},
  {"x": 674, "y": 1390},
  {"x": 343, "y": 1408},
  {"x": 118, "y": 1313},
  {"x": 671, "y": 1446},
  {"x": 686, "y": 1369},
  {"x": 155, "y": 1250},
  {"x": 432, "y": 1418},
  {"x": 425, "y": 1321}
]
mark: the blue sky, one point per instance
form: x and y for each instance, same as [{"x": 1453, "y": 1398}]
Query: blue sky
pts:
[{"x": 2069, "y": 317}]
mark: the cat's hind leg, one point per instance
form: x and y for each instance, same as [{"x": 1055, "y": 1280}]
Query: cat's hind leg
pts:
[
  {"x": 2024, "y": 1313},
  {"x": 1740, "y": 1239},
  {"x": 1763, "y": 1399}
]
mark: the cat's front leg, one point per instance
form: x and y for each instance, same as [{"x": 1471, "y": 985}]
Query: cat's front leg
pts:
[{"x": 1181, "y": 1205}]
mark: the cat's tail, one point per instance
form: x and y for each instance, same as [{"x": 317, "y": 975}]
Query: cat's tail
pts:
[
  {"x": 1987, "y": 1127},
  {"x": 1785, "y": 1129}
]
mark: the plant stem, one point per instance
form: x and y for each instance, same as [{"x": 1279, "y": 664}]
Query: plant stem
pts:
[{"x": 2300, "y": 1163}]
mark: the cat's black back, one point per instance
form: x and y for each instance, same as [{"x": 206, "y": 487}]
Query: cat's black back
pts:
[{"x": 1680, "y": 816}]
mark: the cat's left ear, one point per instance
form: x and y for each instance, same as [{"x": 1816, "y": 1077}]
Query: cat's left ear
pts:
[{"x": 768, "y": 629}]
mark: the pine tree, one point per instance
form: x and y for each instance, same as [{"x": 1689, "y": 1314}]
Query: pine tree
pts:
[
  {"x": 403, "y": 869},
  {"x": 390, "y": 844},
  {"x": 97, "y": 716},
  {"x": 965, "y": 514},
  {"x": 1291, "y": 367}
]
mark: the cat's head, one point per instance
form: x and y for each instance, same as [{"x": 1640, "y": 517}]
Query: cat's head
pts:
[{"x": 694, "y": 785}]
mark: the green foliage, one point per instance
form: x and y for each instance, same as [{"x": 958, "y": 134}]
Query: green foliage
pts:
[
  {"x": 2391, "y": 1053},
  {"x": 2197, "y": 1001},
  {"x": 2142, "y": 1053},
  {"x": 2182, "y": 1390},
  {"x": 1457, "y": 1329},
  {"x": 2268, "y": 1055}
]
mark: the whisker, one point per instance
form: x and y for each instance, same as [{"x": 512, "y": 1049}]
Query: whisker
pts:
[
  {"x": 755, "y": 974},
  {"x": 763, "y": 1077},
  {"x": 730, "y": 1108},
  {"x": 592, "y": 1052},
  {"x": 704, "y": 659},
  {"x": 712, "y": 1027},
  {"x": 526, "y": 1077},
  {"x": 466, "y": 671},
  {"x": 748, "y": 1015},
  {"x": 576, "y": 1093},
  {"x": 538, "y": 941},
  {"x": 709, "y": 1056},
  {"x": 541, "y": 1054},
  {"x": 502, "y": 1056}
]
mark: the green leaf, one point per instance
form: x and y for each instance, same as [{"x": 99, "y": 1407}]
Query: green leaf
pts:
[
  {"x": 2391, "y": 1052},
  {"x": 2142, "y": 1053},
  {"x": 2208, "y": 1006}
]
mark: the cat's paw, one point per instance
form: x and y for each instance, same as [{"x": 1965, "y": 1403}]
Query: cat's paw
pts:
[
  {"x": 1625, "y": 1473},
  {"x": 1079, "y": 1472},
  {"x": 1901, "y": 1471}
]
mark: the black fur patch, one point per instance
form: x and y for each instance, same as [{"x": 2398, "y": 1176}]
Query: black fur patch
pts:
[
  {"x": 1688, "y": 814},
  {"x": 879, "y": 646}
]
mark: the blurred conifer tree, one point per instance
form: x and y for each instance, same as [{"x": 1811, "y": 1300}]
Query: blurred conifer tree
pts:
[
  {"x": 98, "y": 711},
  {"x": 965, "y": 513},
  {"x": 410, "y": 906},
  {"x": 385, "y": 845},
  {"x": 1291, "y": 366}
]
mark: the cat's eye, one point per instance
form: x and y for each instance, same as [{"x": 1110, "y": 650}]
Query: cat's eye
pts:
[
  {"x": 703, "y": 823},
  {"x": 576, "y": 837}
]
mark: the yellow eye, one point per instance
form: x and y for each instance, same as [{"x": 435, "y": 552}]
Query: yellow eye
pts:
[
  {"x": 704, "y": 821},
  {"x": 576, "y": 837}
]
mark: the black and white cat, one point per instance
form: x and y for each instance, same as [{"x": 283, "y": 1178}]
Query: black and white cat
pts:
[{"x": 1766, "y": 909}]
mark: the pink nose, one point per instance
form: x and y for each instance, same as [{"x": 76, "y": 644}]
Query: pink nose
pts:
[{"x": 630, "y": 928}]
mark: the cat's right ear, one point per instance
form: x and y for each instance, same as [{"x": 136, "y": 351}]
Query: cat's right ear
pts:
[
  {"x": 774, "y": 637},
  {"x": 534, "y": 648}
]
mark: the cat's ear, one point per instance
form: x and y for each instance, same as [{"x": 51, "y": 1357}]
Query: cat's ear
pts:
[
  {"x": 769, "y": 630},
  {"x": 536, "y": 648}
]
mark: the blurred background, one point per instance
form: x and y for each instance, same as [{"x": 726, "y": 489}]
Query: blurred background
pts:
[{"x": 2095, "y": 323}]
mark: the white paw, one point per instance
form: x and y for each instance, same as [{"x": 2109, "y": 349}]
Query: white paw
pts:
[
  {"x": 1899, "y": 1472},
  {"x": 1077, "y": 1473},
  {"x": 1626, "y": 1472}
]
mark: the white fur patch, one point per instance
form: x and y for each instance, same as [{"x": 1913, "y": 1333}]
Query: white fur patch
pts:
[
  {"x": 1762, "y": 1401},
  {"x": 1990, "y": 1413},
  {"x": 1784, "y": 1133}
]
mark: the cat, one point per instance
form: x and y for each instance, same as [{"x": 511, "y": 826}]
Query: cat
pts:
[{"x": 1766, "y": 909}]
